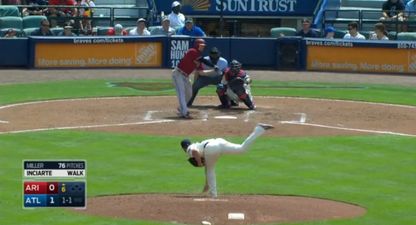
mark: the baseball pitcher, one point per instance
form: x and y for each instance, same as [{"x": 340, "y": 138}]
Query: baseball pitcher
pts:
[
  {"x": 206, "y": 153},
  {"x": 235, "y": 87}
]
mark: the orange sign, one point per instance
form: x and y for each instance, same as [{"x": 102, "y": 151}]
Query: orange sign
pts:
[
  {"x": 361, "y": 59},
  {"x": 69, "y": 55}
]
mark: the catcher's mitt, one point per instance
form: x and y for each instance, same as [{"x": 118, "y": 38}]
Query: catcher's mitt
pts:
[
  {"x": 236, "y": 82},
  {"x": 193, "y": 162}
]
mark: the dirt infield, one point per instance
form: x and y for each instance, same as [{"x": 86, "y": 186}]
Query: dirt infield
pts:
[
  {"x": 257, "y": 209},
  {"x": 291, "y": 116}
]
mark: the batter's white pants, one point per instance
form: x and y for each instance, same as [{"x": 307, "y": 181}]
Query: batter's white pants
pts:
[
  {"x": 183, "y": 90},
  {"x": 219, "y": 146}
]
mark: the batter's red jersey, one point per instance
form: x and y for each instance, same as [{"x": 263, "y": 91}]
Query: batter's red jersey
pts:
[{"x": 187, "y": 64}]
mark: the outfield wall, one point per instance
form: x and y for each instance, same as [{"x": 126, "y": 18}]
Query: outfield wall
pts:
[
  {"x": 397, "y": 57},
  {"x": 289, "y": 53}
]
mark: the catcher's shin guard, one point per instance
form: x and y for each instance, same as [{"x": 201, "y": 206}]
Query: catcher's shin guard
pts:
[
  {"x": 221, "y": 89},
  {"x": 247, "y": 101}
]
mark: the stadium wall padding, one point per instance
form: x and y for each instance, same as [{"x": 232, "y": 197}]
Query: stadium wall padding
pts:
[{"x": 14, "y": 52}]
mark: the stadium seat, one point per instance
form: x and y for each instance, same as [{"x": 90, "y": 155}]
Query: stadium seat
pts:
[
  {"x": 57, "y": 30},
  {"x": 11, "y": 22},
  {"x": 9, "y": 10},
  {"x": 406, "y": 36},
  {"x": 128, "y": 29},
  {"x": 151, "y": 28},
  {"x": 32, "y": 21},
  {"x": 4, "y": 31},
  {"x": 366, "y": 34},
  {"x": 102, "y": 31},
  {"x": 340, "y": 33},
  {"x": 392, "y": 35},
  {"x": 28, "y": 31},
  {"x": 285, "y": 31}
]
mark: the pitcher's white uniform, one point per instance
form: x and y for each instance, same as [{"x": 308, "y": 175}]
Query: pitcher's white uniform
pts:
[{"x": 211, "y": 150}]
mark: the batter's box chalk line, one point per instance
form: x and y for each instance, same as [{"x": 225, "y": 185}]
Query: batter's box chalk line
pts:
[
  {"x": 301, "y": 120},
  {"x": 3, "y": 121},
  {"x": 149, "y": 115}
]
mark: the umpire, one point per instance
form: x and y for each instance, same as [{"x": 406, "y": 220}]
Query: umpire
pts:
[{"x": 206, "y": 75}]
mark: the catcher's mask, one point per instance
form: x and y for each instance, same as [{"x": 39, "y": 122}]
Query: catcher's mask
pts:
[
  {"x": 185, "y": 144},
  {"x": 235, "y": 66}
]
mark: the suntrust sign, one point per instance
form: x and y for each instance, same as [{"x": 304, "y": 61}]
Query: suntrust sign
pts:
[
  {"x": 246, "y": 8},
  {"x": 256, "y": 5}
]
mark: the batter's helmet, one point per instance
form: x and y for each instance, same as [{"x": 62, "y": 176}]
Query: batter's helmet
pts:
[
  {"x": 198, "y": 42},
  {"x": 185, "y": 144}
]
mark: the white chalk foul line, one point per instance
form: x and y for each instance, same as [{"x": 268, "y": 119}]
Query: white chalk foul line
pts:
[
  {"x": 348, "y": 129},
  {"x": 2, "y": 121},
  {"x": 87, "y": 126}
]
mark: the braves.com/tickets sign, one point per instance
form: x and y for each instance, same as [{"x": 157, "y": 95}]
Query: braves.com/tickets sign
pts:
[
  {"x": 70, "y": 55},
  {"x": 361, "y": 59}
]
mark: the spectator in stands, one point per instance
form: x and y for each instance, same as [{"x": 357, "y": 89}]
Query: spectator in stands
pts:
[
  {"x": 44, "y": 29},
  {"x": 330, "y": 32},
  {"x": 379, "y": 32},
  {"x": 165, "y": 29},
  {"x": 393, "y": 10},
  {"x": 34, "y": 9},
  {"x": 190, "y": 29},
  {"x": 140, "y": 29},
  {"x": 306, "y": 30},
  {"x": 67, "y": 32},
  {"x": 11, "y": 33},
  {"x": 177, "y": 19},
  {"x": 12, "y": 2},
  {"x": 353, "y": 32},
  {"x": 83, "y": 23},
  {"x": 62, "y": 15},
  {"x": 117, "y": 31},
  {"x": 410, "y": 11}
]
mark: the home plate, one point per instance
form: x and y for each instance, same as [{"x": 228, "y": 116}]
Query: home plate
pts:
[
  {"x": 209, "y": 200},
  {"x": 226, "y": 117}
]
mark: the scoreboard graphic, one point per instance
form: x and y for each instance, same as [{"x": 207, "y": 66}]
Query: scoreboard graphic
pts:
[{"x": 54, "y": 183}]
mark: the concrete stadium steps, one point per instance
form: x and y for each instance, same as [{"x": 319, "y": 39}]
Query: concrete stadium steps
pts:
[{"x": 125, "y": 16}]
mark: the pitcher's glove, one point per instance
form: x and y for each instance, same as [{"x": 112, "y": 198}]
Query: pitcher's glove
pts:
[{"x": 194, "y": 163}]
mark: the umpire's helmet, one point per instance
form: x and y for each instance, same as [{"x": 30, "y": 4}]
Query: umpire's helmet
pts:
[
  {"x": 185, "y": 144},
  {"x": 235, "y": 66}
]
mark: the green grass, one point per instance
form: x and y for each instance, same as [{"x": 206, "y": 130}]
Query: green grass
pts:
[
  {"x": 376, "y": 172},
  {"x": 13, "y": 93}
]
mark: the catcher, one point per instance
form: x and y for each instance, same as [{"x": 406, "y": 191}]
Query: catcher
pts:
[
  {"x": 206, "y": 153},
  {"x": 235, "y": 87}
]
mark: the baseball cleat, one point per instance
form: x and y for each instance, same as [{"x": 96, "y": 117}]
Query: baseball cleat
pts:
[
  {"x": 187, "y": 116},
  {"x": 265, "y": 126}
]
